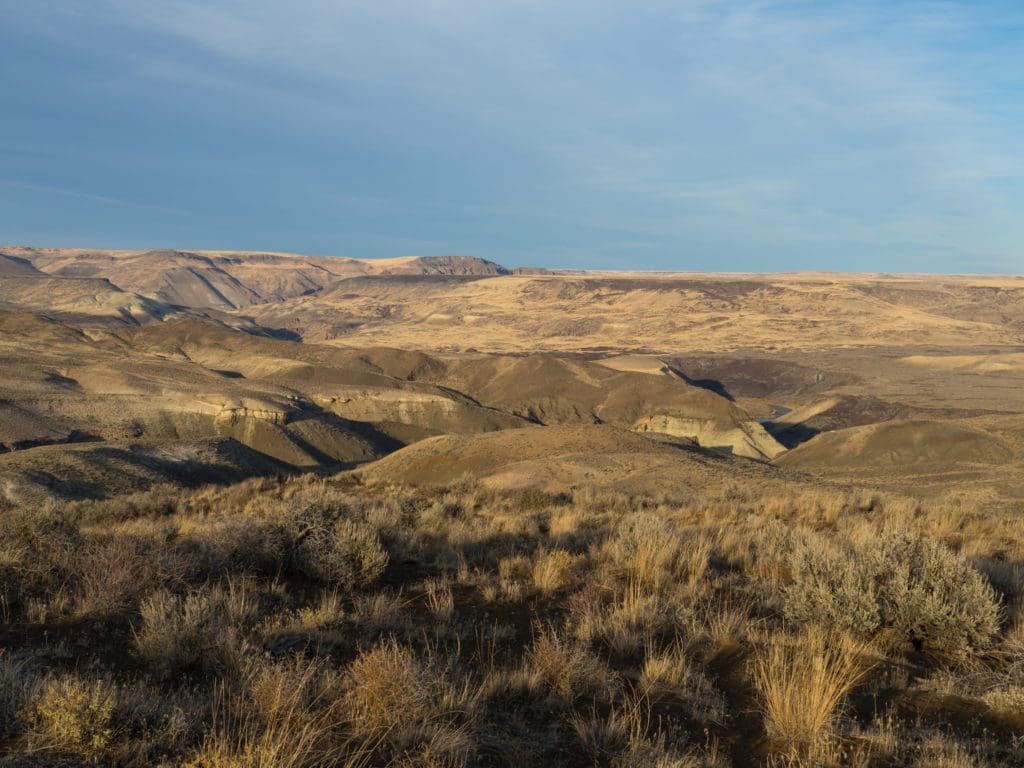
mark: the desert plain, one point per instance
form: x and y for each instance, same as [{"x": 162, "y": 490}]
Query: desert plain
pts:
[{"x": 263, "y": 509}]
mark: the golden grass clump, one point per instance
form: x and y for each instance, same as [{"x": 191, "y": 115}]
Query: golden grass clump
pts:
[
  {"x": 801, "y": 686},
  {"x": 397, "y": 705},
  {"x": 644, "y": 549},
  {"x": 389, "y": 687},
  {"x": 287, "y": 716},
  {"x": 439, "y": 598},
  {"x": 555, "y": 570},
  {"x": 567, "y": 670},
  {"x": 668, "y": 674}
]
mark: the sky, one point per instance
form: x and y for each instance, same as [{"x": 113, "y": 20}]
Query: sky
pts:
[{"x": 746, "y": 135}]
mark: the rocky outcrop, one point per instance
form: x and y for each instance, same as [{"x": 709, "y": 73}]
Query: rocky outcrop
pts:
[
  {"x": 746, "y": 438},
  {"x": 454, "y": 265},
  {"x": 434, "y": 413},
  {"x": 234, "y": 415}
]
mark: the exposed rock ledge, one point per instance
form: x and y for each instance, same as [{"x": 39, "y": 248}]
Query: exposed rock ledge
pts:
[
  {"x": 747, "y": 438},
  {"x": 233, "y": 415}
]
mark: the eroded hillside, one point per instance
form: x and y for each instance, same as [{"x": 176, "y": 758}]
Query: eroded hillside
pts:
[
  {"x": 322, "y": 363},
  {"x": 260, "y": 509}
]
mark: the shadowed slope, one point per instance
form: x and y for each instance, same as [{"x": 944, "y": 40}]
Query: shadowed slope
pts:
[{"x": 104, "y": 470}]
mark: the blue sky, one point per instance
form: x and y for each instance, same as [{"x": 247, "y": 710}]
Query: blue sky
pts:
[{"x": 685, "y": 134}]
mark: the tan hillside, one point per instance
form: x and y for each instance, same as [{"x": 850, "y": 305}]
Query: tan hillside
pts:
[
  {"x": 322, "y": 362},
  {"x": 560, "y": 458},
  {"x": 602, "y": 518},
  {"x": 460, "y": 302},
  {"x": 16, "y": 266},
  {"x": 84, "y": 298},
  {"x": 897, "y": 443},
  {"x": 230, "y": 279},
  {"x": 97, "y": 470},
  {"x": 663, "y": 313}
]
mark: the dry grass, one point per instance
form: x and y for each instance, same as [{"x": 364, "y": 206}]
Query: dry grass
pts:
[
  {"x": 597, "y": 629},
  {"x": 567, "y": 670},
  {"x": 115, "y": 572},
  {"x": 397, "y": 704},
  {"x": 555, "y": 570},
  {"x": 439, "y": 599},
  {"x": 670, "y": 674},
  {"x": 12, "y": 696},
  {"x": 622, "y": 740},
  {"x": 801, "y": 687},
  {"x": 288, "y": 716}
]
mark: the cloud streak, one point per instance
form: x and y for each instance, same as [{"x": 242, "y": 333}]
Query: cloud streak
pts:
[{"x": 744, "y": 135}]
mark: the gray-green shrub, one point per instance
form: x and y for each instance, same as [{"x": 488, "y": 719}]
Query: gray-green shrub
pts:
[
  {"x": 198, "y": 631},
  {"x": 342, "y": 551},
  {"x": 917, "y": 589}
]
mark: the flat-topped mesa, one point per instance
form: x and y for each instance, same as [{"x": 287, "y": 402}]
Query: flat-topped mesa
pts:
[{"x": 455, "y": 265}]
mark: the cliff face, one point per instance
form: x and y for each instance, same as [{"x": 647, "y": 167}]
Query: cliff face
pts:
[
  {"x": 748, "y": 439},
  {"x": 234, "y": 415}
]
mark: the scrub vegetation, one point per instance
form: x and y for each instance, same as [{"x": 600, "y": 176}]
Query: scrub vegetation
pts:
[{"x": 321, "y": 622}]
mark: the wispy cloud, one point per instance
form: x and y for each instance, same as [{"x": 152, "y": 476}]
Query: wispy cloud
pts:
[
  {"x": 763, "y": 132},
  {"x": 89, "y": 197}
]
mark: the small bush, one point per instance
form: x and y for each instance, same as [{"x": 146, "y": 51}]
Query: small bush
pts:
[
  {"x": 913, "y": 588},
  {"x": 329, "y": 538},
  {"x": 237, "y": 544},
  {"x": 197, "y": 632},
  {"x": 405, "y": 711},
  {"x": 348, "y": 554},
  {"x": 833, "y": 588},
  {"x": 644, "y": 549},
  {"x": 113, "y": 572},
  {"x": 74, "y": 716},
  {"x": 389, "y": 687}
]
